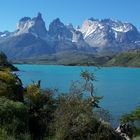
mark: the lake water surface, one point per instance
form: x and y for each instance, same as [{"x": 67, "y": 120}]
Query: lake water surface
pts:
[{"x": 119, "y": 86}]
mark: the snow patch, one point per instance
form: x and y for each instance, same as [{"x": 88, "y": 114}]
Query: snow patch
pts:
[
  {"x": 116, "y": 35},
  {"x": 137, "y": 42},
  {"x": 89, "y": 32},
  {"x": 3, "y": 35},
  {"x": 123, "y": 28},
  {"x": 100, "y": 26}
]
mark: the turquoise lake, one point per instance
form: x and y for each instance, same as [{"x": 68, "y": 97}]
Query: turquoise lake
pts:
[{"x": 119, "y": 86}]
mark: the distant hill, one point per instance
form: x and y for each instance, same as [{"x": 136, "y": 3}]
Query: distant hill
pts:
[
  {"x": 71, "y": 58},
  {"x": 126, "y": 59},
  {"x": 129, "y": 58}
]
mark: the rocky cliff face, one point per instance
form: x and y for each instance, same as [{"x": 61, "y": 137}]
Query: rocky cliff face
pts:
[
  {"x": 59, "y": 31},
  {"x": 35, "y": 26}
]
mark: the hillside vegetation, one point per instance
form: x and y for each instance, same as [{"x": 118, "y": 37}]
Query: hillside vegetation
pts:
[
  {"x": 129, "y": 58},
  {"x": 72, "y": 58},
  {"x": 4, "y": 64}
]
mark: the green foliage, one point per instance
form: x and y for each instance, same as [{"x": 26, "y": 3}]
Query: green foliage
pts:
[
  {"x": 41, "y": 107},
  {"x": 88, "y": 87},
  {"x": 75, "y": 58},
  {"x": 10, "y": 86},
  {"x": 88, "y": 76},
  {"x": 133, "y": 119},
  {"x": 33, "y": 91},
  {"x": 5, "y": 136},
  {"x": 13, "y": 117},
  {"x": 104, "y": 115},
  {"x": 130, "y": 58},
  {"x": 3, "y": 58},
  {"x": 75, "y": 118}
]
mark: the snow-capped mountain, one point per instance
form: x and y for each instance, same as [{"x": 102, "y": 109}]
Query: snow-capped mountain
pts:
[
  {"x": 31, "y": 37},
  {"x": 103, "y": 33}
]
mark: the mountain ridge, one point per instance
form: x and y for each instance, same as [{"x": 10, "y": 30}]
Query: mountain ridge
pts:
[{"x": 33, "y": 39}]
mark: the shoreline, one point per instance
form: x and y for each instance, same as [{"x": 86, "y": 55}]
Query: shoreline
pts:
[{"x": 74, "y": 65}]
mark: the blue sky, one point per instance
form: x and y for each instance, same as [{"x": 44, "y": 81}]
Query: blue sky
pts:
[{"x": 69, "y": 11}]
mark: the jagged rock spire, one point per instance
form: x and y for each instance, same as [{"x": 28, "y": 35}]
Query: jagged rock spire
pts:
[
  {"x": 39, "y": 15},
  {"x": 35, "y": 26}
]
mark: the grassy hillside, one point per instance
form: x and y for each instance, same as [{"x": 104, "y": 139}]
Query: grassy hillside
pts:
[
  {"x": 130, "y": 58},
  {"x": 68, "y": 58}
]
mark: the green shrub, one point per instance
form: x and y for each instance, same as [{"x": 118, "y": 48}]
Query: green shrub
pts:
[
  {"x": 11, "y": 86},
  {"x": 41, "y": 106},
  {"x": 133, "y": 118},
  {"x": 75, "y": 116},
  {"x": 13, "y": 117},
  {"x": 76, "y": 120}
]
